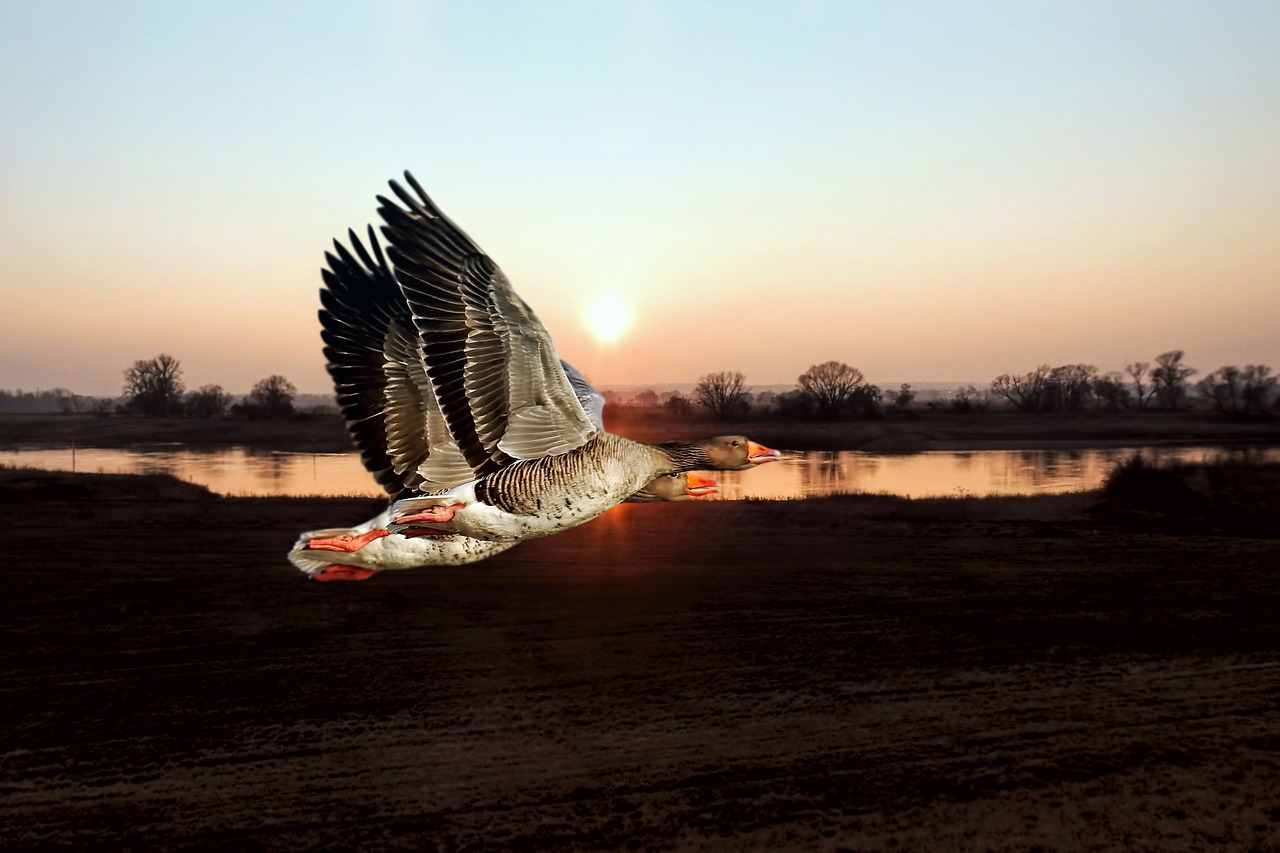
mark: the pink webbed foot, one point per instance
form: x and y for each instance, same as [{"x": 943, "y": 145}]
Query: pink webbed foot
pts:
[
  {"x": 432, "y": 515},
  {"x": 347, "y": 542},
  {"x": 343, "y": 573}
]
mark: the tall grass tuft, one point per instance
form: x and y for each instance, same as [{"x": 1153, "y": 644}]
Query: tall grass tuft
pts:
[
  {"x": 1239, "y": 494},
  {"x": 1143, "y": 485}
]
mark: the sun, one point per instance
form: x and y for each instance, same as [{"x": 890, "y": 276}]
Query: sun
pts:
[{"x": 607, "y": 318}]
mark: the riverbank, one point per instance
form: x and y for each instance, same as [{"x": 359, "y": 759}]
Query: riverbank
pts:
[
  {"x": 918, "y": 431},
  {"x": 861, "y": 672}
]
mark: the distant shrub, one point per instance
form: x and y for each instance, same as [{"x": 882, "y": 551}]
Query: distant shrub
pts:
[
  {"x": 208, "y": 402},
  {"x": 678, "y": 404},
  {"x": 794, "y": 404}
]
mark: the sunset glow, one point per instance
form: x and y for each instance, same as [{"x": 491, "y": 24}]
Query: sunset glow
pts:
[{"x": 928, "y": 191}]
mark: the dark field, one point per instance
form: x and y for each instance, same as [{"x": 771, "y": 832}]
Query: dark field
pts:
[{"x": 851, "y": 673}]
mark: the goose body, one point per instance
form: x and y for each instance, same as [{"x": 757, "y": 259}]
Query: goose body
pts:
[{"x": 539, "y": 497}]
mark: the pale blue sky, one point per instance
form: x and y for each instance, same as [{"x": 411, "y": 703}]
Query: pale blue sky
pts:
[{"x": 928, "y": 191}]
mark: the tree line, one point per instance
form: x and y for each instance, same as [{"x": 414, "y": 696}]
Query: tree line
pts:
[
  {"x": 153, "y": 388},
  {"x": 1238, "y": 392},
  {"x": 834, "y": 389},
  {"x": 829, "y": 390},
  {"x": 50, "y": 400}
]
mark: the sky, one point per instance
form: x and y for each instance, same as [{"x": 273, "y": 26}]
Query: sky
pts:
[{"x": 928, "y": 191}]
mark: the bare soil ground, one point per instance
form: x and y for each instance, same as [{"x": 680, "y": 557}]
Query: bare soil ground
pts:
[{"x": 851, "y": 673}]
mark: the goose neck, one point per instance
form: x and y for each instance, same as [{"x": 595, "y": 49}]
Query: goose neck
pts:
[{"x": 685, "y": 456}]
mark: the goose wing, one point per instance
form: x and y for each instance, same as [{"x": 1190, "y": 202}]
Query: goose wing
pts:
[
  {"x": 373, "y": 356},
  {"x": 490, "y": 360},
  {"x": 591, "y": 400}
]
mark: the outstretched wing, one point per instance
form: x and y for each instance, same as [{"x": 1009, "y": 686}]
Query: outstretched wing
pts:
[
  {"x": 591, "y": 400},
  {"x": 490, "y": 360},
  {"x": 373, "y": 357}
]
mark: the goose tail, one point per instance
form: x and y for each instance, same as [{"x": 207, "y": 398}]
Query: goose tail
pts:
[{"x": 310, "y": 562}]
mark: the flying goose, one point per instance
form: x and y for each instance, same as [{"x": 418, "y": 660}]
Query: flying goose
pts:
[
  {"x": 375, "y": 361},
  {"x": 541, "y": 462}
]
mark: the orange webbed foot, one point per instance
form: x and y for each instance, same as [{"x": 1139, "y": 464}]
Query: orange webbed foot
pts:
[
  {"x": 431, "y": 515},
  {"x": 347, "y": 542}
]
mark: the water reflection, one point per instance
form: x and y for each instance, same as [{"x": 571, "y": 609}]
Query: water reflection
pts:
[
  {"x": 238, "y": 471},
  {"x": 234, "y": 471},
  {"x": 937, "y": 473}
]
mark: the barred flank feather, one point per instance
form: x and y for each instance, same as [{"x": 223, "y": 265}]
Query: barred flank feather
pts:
[{"x": 608, "y": 468}]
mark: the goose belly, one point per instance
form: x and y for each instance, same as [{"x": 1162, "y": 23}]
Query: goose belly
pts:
[
  {"x": 398, "y": 552},
  {"x": 395, "y": 551}
]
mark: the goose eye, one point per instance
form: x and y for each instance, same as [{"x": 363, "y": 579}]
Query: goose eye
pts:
[
  {"x": 735, "y": 443},
  {"x": 673, "y": 476}
]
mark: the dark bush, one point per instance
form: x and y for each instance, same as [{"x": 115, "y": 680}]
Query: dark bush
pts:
[{"x": 1142, "y": 485}]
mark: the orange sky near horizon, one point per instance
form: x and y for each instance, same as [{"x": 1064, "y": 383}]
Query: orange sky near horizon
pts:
[{"x": 926, "y": 191}]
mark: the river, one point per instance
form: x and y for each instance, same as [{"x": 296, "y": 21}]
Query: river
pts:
[{"x": 238, "y": 471}]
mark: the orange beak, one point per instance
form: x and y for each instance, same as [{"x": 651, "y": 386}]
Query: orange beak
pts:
[
  {"x": 699, "y": 486},
  {"x": 758, "y": 454}
]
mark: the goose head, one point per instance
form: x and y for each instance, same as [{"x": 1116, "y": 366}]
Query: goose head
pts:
[
  {"x": 681, "y": 486},
  {"x": 736, "y": 453},
  {"x": 695, "y": 487}
]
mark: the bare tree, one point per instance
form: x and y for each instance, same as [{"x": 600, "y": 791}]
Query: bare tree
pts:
[
  {"x": 1169, "y": 379},
  {"x": 1238, "y": 392},
  {"x": 831, "y": 385},
  {"x": 1069, "y": 387},
  {"x": 967, "y": 399},
  {"x": 724, "y": 393},
  {"x": 1109, "y": 391},
  {"x": 866, "y": 401},
  {"x": 154, "y": 386},
  {"x": 209, "y": 401},
  {"x": 1027, "y": 391},
  {"x": 1259, "y": 385},
  {"x": 271, "y": 398},
  {"x": 1141, "y": 393},
  {"x": 69, "y": 402}
]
